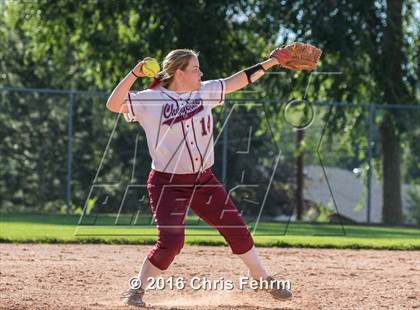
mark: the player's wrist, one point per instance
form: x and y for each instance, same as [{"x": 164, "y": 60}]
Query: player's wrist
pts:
[
  {"x": 132, "y": 72},
  {"x": 254, "y": 73},
  {"x": 269, "y": 63}
]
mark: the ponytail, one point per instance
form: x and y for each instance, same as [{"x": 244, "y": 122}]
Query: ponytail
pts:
[{"x": 155, "y": 83}]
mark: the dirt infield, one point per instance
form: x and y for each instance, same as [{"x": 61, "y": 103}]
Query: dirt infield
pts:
[{"x": 41, "y": 276}]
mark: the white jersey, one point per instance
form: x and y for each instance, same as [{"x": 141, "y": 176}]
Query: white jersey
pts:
[{"x": 179, "y": 127}]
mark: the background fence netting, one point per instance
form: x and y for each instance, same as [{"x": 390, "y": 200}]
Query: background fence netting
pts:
[{"x": 63, "y": 151}]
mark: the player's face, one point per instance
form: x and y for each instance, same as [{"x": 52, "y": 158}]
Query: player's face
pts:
[{"x": 192, "y": 75}]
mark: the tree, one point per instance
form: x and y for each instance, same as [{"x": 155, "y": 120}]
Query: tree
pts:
[
  {"x": 91, "y": 46},
  {"x": 368, "y": 42},
  {"x": 391, "y": 79}
]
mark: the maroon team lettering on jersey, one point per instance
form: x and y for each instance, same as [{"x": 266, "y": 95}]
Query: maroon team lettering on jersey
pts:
[{"x": 174, "y": 114}]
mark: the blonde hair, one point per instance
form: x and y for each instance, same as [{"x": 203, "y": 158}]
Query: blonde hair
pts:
[{"x": 176, "y": 59}]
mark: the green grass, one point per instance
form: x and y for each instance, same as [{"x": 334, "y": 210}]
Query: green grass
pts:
[{"x": 20, "y": 228}]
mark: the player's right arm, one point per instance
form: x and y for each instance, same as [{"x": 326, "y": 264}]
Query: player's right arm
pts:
[{"x": 117, "y": 102}]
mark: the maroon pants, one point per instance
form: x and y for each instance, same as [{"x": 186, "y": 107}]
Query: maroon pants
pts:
[{"x": 170, "y": 197}]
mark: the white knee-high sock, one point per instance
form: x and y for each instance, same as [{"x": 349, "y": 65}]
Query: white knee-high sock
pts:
[
  {"x": 253, "y": 262},
  {"x": 147, "y": 270}
]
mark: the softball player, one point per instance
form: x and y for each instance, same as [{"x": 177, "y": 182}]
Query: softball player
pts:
[{"x": 176, "y": 114}]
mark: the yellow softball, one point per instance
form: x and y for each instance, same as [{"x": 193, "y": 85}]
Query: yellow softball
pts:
[{"x": 150, "y": 67}]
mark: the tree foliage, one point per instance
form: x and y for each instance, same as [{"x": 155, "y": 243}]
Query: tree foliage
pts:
[{"x": 90, "y": 45}]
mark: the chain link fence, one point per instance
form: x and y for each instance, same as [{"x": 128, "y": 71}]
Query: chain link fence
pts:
[{"x": 63, "y": 151}]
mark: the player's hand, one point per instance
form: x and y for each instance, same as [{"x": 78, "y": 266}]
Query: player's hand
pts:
[{"x": 138, "y": 68}]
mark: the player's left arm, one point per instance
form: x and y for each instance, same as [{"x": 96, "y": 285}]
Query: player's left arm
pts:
[
  {"x": 295, "y": 56},
  {"x": 243, "y": 78}
]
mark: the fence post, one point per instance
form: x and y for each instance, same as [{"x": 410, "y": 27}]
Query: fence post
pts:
[
  {"x": 225, "y": 142},
  {"x": 369, "y": 160},
  {"x": 69, "y": 150}
]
